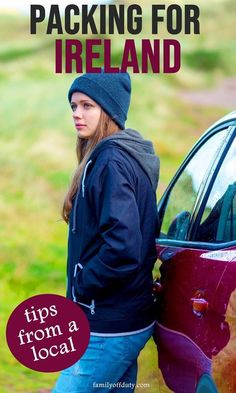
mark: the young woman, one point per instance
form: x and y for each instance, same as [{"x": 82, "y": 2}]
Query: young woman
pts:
[{"x": 111, "y": 211}]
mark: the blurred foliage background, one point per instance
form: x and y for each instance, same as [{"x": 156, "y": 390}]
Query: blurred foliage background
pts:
[{"x": 38, "y": 151}]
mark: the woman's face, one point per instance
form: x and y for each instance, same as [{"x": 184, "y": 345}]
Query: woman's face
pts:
[{"x": 86, "y": 114}]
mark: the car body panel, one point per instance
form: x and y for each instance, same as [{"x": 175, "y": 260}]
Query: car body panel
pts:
[
  {"x": 195, "y": 322},
  {"x": 188, "y": 274}
]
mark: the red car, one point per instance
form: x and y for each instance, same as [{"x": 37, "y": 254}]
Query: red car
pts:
[{"x": 196, "y": 297}]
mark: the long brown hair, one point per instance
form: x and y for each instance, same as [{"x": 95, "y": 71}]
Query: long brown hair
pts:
[{"x": 84, "y": 148}]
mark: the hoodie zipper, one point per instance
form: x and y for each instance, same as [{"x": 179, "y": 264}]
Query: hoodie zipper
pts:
[{"x": 92, "y": 305}]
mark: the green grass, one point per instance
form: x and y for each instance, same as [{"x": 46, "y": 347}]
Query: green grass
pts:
[{"x": 37, "y": 158}]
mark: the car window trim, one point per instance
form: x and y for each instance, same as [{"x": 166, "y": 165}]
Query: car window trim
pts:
[{"x": 194, "y": 245}]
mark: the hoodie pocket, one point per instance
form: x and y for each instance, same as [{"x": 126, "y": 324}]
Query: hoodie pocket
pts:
[{"x": 90, "y": 306}]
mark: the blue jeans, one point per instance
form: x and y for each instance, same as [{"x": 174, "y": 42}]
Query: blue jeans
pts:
[{"x": 109, "y": 364}]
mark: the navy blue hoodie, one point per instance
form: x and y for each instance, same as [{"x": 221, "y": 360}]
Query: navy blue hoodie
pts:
[{"x": 112, "y": 228}]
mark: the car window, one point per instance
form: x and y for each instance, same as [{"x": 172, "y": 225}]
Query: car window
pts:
[
  {"x": 183, "y": 195},
  {"x": 218, "y": 223}
]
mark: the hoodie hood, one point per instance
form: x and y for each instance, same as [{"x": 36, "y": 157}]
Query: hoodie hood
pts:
[{"x": 136, "y": 146}]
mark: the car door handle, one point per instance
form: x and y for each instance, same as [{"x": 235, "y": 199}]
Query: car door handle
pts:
[{"x": 199, "y": 304}]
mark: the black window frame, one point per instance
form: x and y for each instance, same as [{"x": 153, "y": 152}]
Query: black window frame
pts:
[
  {"x": 208, "y": 190},
  {"x": 164, "y": 200}
]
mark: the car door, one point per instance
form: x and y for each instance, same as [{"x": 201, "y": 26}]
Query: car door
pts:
[{"x": 197, "y": 254}]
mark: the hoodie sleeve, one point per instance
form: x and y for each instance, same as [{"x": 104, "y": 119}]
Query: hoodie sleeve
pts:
[{"x": 114, "y": 202}]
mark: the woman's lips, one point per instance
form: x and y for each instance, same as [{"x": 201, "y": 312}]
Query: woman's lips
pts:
[{"x": 80, "y": 126}]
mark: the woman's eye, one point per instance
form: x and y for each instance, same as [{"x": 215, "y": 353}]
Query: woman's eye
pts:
[
  {"x": 87, "y": 105},
  {"x": 73, "y": 107}
]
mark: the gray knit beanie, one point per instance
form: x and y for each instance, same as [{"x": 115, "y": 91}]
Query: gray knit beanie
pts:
[{"x": 110, "y": 90}]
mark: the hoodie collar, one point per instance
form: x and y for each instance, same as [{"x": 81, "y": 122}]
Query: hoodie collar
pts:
[{"x": 139, "y": 148}]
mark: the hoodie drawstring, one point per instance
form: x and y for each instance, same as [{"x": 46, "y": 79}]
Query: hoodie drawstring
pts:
[
  {"x": 84, "y": 175},
  {"x": 77, "y": 196}
]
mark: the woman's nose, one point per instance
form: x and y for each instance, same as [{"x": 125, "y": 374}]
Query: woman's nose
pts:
[{"x": 77, "y": 113}]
